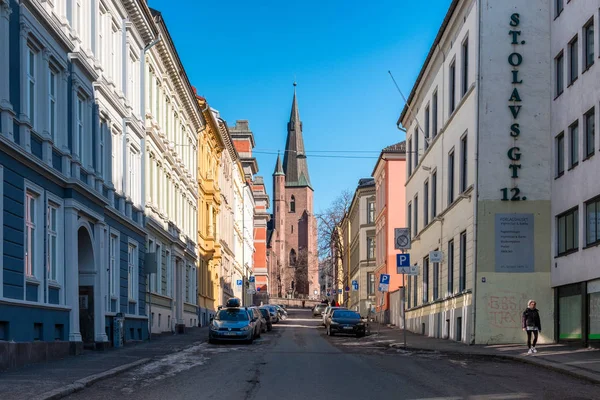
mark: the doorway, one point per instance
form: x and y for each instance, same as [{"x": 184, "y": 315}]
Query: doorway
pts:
[{"x": 85, "y": 258}]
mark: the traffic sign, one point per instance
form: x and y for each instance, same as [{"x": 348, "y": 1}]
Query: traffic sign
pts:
[
  {"x": 258, "y": 289},
  {"x": 403, "y": 260},
  {"x": 328, "y": 294},
  {"x": 436, "y": 256},
  {"x": 251, "y": 291},
  {"x": 411, "y": 270},
  {"x": 251, "y": 279},
  {"x": 384, "y": 283},
  {"x": 354, "y": 283},
  {"x": 355, "y": 287},
  {"x": 238, "y": 282},
  {"x": 402, "y": 238},
  {"x": 347, "y": 288},
  {"x": 339, "y": 291}
]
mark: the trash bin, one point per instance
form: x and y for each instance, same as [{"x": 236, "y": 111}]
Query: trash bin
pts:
[{"x": 118, "y": 330}]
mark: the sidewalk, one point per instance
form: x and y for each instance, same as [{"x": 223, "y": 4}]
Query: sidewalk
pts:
[
  {"x": 59, "y": 378},
  {"x": 576, "y": 361}
]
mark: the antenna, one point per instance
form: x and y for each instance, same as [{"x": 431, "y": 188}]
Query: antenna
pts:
[{"x": 409, "y": 108}]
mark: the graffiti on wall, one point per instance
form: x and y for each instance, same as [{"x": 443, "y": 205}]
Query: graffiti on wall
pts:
[{"x": 504, "y": 309}]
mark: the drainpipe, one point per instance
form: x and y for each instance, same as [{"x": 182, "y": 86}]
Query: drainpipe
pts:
[{"x": 476, "y": 174}]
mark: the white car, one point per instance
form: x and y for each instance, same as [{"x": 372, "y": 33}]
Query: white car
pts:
[{"x": 328, "y": 311}]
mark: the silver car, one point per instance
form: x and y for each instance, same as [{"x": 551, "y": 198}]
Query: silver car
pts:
[{"x": 231, "y": 324}]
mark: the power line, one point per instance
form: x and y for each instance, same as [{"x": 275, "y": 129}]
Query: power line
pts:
[
  {"x": 319, "y": 155},
  {"x": 325, "y": 151}
]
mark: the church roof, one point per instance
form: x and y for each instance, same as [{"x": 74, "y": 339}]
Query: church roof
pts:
[{"x": 295, "y": 166}]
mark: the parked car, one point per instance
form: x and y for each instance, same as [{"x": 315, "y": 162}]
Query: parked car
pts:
[
  {"x": 282, "y": 313},
  {"x": 318, "y": 309},
  {"x": 267, "y": 316},
  {"x": 328, "y": 311},
  {"x": 232, "y": 324},
  {"x": 275, "y": 316},
  {"x": 261, "y": 323},
  {"x": 346, "y": 322}
]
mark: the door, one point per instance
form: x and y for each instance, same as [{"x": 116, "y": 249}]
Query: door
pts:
[{"x": 86, "y": 313}]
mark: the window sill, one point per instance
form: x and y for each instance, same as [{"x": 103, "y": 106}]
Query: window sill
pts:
[
  {"x": 588, "y": 157},
  {"x": 33, "y": 280},
  {"x": 572, "y": 82},
  {"x": 566, "y": 253},
  {"x": 592, "y": 245},
  {"x": 559, "y": 175},
  {"x": 573, "y": 166},
  {"x": 132, "y": 301},
  {"x": 587, "y": 68},
  {"x": 54, "y": 284}
]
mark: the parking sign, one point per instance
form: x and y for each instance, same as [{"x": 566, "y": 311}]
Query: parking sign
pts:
[{"x": 384, "y": 283}]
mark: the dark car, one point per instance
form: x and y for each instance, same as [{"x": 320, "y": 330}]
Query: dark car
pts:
[
  {"x": 232, "y": 324},
  {"x": 267, "y": 315},
  {"x": 347, "y": 322}
]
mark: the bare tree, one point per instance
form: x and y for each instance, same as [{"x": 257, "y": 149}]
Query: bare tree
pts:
[{"x": 329, "y": 238}]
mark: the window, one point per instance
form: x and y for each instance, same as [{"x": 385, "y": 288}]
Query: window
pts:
[
  {"x": 416, "y": 138},
  {"x": 426, "y": 203},
  {"x": 463, "y": 261},
  {"x": 293, "y": 204},
  {"x": 589, "y": 133},
  {"x": 134, "y": 175},
  {"x": 451, "y": 177},
  {"x": 409, "y": 217},
  {"x": 560, "y": 154},
  {"x": 436, "y": 279},
  {"x": 451, "y": 267},
  {"x": 558, "y": 6},
  {"x": 410, "y": 154},
  {"x": 293, "y": 258},
  {"x": 559, "y": 70},
  {"x": 589, "y": 44},
  {"x": 416, "y": 216},
  {"x": 187, "y": 283},
  {"x": 371, "y": 211},
  {"x": 452, "y": 87},
  {"x": 52, "y": 80},
  {"x": 592, "y": 221},
  {"x": 426, "y": 127},
  {"x": 132, "y": 272},
  {"x": 463, "y": 164},
  {"x": 370, "y": 283},
  {"x": 415, "y": 296},
  {"x": 573, "y": 65},
  {"x": 80, "y": 135},
  {"x": 31, "y": 235},
  {"x": 102, "y": 154},
  {"x": 574, "y": 144},
  {"x": 465, "y": 66},
  {"x": 114, "y": 266},
  {"x": 370, "y": 248},
  {"x": 53, "y": 248},
  {"x": 169, "y": 269},
  {"x": 434, "y": 114},
  {"x": 434, "y": 194},
  {"x": 425, "y": 279},
  {"x": 31, "y": 90},
  {"x": 568, "y": 231}
]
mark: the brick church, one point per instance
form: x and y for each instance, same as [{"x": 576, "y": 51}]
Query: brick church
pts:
[{"x": 292, "y": 235}]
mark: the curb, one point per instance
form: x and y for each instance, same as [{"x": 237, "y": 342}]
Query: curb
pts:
[
  {"x": 539, "y": 362},
  {"x": 82, "y": 383}
]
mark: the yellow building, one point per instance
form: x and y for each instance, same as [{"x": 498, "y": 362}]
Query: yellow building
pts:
[{"x": 210, "y": 147}]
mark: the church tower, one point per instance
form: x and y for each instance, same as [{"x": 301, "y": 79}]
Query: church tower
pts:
[{"x": 295, "y": 220}]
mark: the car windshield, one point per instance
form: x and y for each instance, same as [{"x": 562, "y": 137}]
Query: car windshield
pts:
[
  {"x": 232, "y": 315},
  {"x": 345, "y": 314},
  {"x": 264, "y": 312},
  {"x": 321, "y": 307}
]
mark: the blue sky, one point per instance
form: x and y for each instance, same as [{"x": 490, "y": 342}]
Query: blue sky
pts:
[{"x": 243, "y": 57}]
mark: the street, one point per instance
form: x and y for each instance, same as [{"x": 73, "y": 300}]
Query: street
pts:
[{"x": 298, "y": 361}]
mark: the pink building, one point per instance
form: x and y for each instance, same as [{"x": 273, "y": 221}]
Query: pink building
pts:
[{"x": 390, "y": 176}]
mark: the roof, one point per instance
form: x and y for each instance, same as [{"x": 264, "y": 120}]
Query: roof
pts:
[
  {"x": 366, "y": 182},
  {"x": 437, "y": 40},
  {"x": 278, "y": 167},
  {"x": 398, "y": 148},
  {"x": 295, "y": 166}
]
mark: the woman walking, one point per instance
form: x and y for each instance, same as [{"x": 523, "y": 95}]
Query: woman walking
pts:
[{"x": 531, "y": 324}]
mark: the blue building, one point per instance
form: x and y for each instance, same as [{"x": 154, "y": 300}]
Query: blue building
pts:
[{"x": 72, "y": 243}]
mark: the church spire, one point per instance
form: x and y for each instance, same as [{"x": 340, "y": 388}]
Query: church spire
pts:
[
  {"x": 295, "y": 166},
  {"x": 278, "y": 166}
]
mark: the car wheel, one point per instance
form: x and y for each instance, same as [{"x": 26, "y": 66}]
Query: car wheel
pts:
[{"x": 212, "y": 341}]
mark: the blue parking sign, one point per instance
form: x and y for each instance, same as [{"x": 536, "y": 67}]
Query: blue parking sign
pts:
[{"x": 384, "y": 283}]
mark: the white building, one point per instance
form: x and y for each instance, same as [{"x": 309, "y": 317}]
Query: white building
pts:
[
  {"x": 575, "y": 187},
  {"x": 173, "y": 118},
  {"x": 478, "y": 183},
  {"x": 231, "y": 176}
]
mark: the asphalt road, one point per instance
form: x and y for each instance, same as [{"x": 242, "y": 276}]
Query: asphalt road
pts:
[{"x": 298, "y": 361}]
